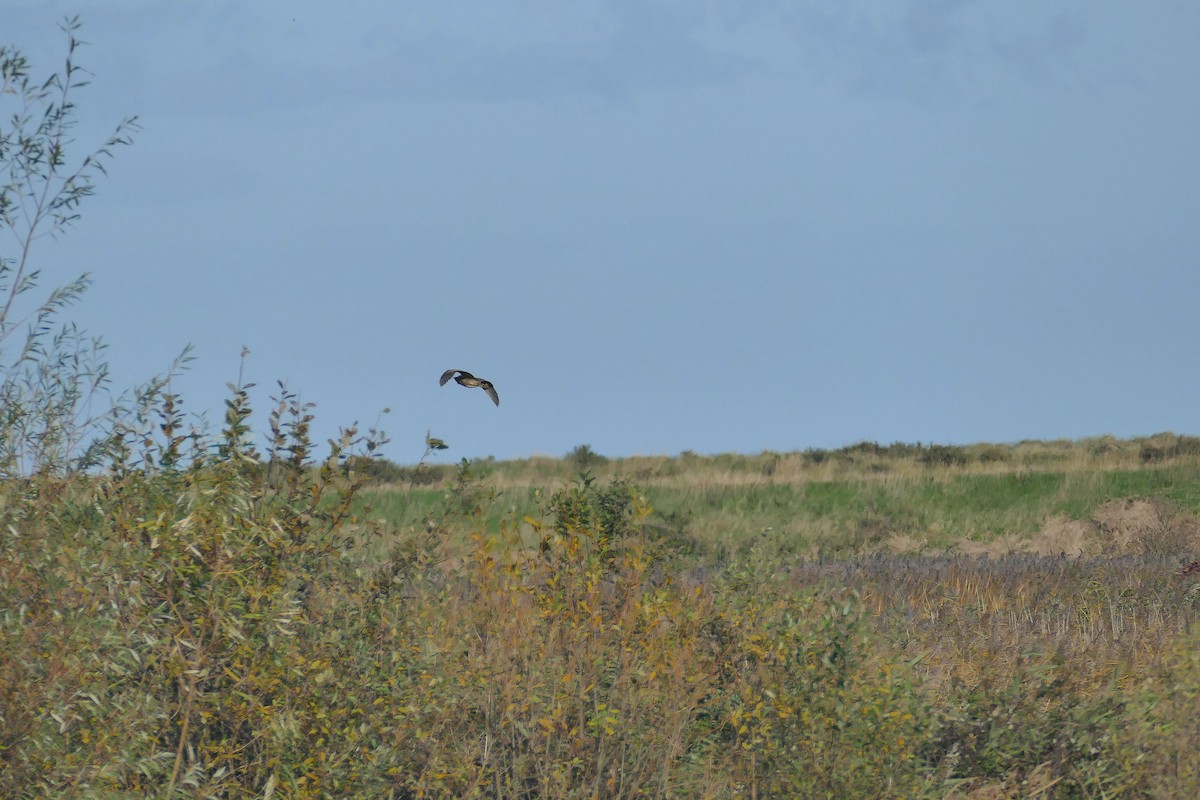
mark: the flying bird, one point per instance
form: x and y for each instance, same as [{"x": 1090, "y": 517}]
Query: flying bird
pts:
[{"x": 464, "y": 378}]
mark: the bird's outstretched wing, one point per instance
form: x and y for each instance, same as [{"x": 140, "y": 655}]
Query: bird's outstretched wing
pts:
[
  {"x": 447, "y": 375},
  {"x": 491, "y": 391}
]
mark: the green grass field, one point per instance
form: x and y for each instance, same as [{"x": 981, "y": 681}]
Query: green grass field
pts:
[{"x": 838, "y": 508}]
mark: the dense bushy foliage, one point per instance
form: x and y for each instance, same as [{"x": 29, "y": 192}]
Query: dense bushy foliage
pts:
[{"x": 201, "y": 632}]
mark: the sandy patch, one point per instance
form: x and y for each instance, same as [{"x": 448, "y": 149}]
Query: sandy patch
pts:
[
  {"x": 1151, "y": 527},
  {"x": 1062, "y": 535}
]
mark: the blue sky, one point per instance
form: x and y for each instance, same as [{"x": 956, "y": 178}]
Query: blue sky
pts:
[{"x": 654, "y": 225}]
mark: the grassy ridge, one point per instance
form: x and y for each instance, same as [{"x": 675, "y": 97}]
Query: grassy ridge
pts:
[{"x": 848, "y": 500}]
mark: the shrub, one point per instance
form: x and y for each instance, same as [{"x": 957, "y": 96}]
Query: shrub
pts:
[
  {"x": 807, "y": 710},
  {"x": 1188, "y": 446},
  {"x": 943, "y": 455},
  {"x": 993, "y": 454},
  {"x": 179, "y": 614},
  {"x": 1157, "y": 744},
  {"x": 52, "y": 378},
  {"x": 604, "y": 515},
  {"x": 1032, "y": 720},
  {"x": 377, "y": 471},
  {"x": 816, "y": 456},
  {"x": 1152, "y": 453},
  {"x": 862, "y": 449},
  {"x": 585, "y": 458}
]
